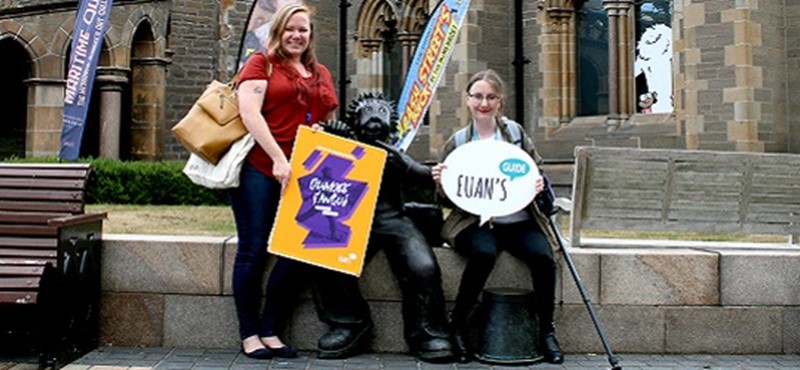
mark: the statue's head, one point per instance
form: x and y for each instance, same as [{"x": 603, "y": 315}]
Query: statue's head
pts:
[{"x": 372, "y": 118}]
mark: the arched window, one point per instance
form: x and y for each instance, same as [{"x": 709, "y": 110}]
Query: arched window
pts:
[
  {"x": 393, "y": 71},
  {"x": 599, "y": 60},
  {"x": 387, "y": 33},
  {"x": 593, "y": 62}
]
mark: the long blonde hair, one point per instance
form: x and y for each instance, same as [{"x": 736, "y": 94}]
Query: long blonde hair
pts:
[{"x": 279, "y": 21}]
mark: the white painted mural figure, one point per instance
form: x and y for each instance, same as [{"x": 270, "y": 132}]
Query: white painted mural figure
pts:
[{"x": 654, "y": 61}]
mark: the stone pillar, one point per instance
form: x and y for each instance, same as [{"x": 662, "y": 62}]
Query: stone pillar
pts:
[
  {"x": 44, "y": 117},
  {"x": 110, "y": 81},
  {"x": 619, "y": 61},
  {"x": 408, "y": 41},
  {"x": 744, "y": 129},
  {"x": 148, "y": 115},
  {"x": 557, "y": 64},
  {"x": 369, "y": 77}
]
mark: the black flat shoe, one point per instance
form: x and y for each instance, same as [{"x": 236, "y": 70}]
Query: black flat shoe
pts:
[
  {"x": 551, "y": 349},
  {"x": 259, "y": 354},
  {"x": 283, "y": 352}
]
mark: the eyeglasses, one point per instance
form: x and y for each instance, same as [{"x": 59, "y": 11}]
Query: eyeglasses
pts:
[{"x": 491, "y": 98}]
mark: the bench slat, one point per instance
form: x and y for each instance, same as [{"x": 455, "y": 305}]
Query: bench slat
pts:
[
  {"x": 29, "y": 217},
  {"x": 45, "y": 170},
  {"x": 18, "y": 283},
  {"x": 48, "y": 195},
  {"x": 21, "y": 270},
  {"x": 35, "y": 254},
  {"x": 57, "y": 207},
  {"x": 13, "y": 257},
  {"x": 23, "y": 297},
  {"x": 6, "y": 241},
  {"x": 42, "y": 183},
  {"x": 28, "y": 230}
]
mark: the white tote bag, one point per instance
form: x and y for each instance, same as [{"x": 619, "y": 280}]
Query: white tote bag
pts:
[{"x": 224, "y": 174}]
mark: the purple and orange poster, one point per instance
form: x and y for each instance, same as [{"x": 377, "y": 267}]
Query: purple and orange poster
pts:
[{"x": 325, "y": 214}]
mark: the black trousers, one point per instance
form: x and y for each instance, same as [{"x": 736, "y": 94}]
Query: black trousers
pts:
[
  {"x": 524, "y": 240},
  {"x": 341, "y": 304}
]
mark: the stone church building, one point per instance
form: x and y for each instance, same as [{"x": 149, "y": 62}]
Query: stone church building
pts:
[{"x": 689, "y": 74}]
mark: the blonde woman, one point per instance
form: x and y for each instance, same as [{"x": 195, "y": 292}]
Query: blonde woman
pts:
[{"x": 298, "y": 91}]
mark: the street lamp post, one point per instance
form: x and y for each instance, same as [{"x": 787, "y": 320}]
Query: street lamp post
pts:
[{"x": 343, "y": 80}]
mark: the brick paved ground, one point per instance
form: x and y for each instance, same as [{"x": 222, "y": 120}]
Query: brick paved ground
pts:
[{"x": 120, "y": 358}]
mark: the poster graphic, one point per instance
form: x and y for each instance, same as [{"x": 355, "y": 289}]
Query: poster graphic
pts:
[
  {"x": 325, "y": 214},
  {"x": 489, "y": 178}
]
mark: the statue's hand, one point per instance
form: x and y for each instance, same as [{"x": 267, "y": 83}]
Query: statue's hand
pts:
[
  {"x": 337, "y": 128},
  {"x": 403, "y": 161}
]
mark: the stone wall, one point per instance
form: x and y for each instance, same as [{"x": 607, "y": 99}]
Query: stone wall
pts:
[
  {"x": 205, "y": 42},
  {"x": 734, "y": 68},
  {"x": 194, "y": 52},
  {"x": 679, "y": 298},
  {"x": 792, "y": 13}
]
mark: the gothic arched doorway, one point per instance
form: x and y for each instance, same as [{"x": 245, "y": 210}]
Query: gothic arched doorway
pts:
[
  {"x": 146, "y": 97},
  {"x": 15, "y": 67}
]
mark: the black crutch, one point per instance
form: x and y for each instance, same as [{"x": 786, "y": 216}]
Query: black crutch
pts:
[{"x": 611, "y": 358}]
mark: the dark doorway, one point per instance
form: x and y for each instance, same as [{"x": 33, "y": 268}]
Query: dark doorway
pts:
[{"x": 14, "y": 70}]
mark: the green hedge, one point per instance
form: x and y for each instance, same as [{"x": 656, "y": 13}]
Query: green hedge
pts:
[
  {"x": 152, "y": 182},
  {"x": 161, "y": 182},
  {"x": 141, "y": 182}
]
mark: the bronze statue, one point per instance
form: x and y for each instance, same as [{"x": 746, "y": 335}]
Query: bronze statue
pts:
[{"x": 372, "y": 119}]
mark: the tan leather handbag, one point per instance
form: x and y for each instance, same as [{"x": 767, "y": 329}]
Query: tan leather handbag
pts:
[{"x": 213, "y": 124}]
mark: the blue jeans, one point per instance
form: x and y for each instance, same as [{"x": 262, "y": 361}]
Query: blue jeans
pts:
[{"x": 255, "y": 204}]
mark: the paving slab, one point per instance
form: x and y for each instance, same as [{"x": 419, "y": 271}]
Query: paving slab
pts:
[{"x": 162, "y": 358}]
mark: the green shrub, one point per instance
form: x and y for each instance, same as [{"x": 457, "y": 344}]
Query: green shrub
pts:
[
  {"x": 141, "y": 182},
  {"x": 161, "y": 182}
]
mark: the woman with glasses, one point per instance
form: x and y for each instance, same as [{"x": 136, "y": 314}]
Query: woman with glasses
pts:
[{"x": 524, "y": 234}]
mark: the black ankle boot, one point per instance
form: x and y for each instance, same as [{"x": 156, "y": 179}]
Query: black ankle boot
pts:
[
  {"x": 551, "y": 350},
  {"x": 460, "y": 347},
  {"x": 344, "y": 342},
  {"x": 434, "y": 350}
]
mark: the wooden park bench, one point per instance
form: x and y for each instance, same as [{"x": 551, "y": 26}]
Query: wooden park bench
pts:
[
  {"x": 624, "y": 189},
  {"x": 49, "y": 260}
]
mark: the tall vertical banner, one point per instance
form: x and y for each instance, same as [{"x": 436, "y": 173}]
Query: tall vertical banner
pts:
[
  {"x": 87, "y": 40},
  {"x": 430, "y": 59},
  {"x": 256, "y": 33}
]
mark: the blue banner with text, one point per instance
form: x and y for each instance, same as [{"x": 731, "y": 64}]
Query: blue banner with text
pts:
[{"x": 87, "y": 40}]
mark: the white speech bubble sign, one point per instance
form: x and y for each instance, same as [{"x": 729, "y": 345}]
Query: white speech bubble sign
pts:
[{"x": 489, "y": 178}]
